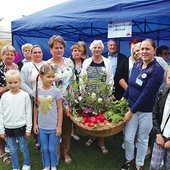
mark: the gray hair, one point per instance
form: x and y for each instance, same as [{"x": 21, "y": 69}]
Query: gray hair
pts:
[
  {"x": 97, "y": 42},
  {"x": 8, "y": 48}
]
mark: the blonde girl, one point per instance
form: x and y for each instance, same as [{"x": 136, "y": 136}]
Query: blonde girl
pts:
[
  {"x": 48, "y": 116},
  {"x": 16, "y": 119}
]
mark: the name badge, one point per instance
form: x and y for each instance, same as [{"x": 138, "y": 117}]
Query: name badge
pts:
[{"x": 139, "y": 82}]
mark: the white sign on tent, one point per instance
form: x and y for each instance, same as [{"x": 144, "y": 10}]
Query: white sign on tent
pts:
[{"x": 117, "y": 30}]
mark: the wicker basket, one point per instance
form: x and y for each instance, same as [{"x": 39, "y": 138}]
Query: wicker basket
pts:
[{"x": 99, "y": 132}]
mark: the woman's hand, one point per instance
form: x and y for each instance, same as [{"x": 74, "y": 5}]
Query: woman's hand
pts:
[
  {"x": 3, "y": 136},
  {"x": 160, "y": 140},
  {"x": 167, "y": 145},
  {"x": 3, "y": 90},
  {"x": 128, "y": 116}
]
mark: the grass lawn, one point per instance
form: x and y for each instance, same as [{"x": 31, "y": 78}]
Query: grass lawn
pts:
[{"x": 84, "y": 158}]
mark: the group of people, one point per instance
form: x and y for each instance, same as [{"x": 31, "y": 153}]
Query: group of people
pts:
[{"x": 41, "y": 88}]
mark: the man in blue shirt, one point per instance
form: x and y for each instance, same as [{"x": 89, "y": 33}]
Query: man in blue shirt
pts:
[{"x": 116, "y": 58}]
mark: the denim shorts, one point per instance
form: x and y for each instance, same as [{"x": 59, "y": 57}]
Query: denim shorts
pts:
[{"x": 15, "y": 132}]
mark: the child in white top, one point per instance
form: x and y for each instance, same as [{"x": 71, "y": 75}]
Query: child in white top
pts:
[
  {"x": 16, "y": 119},
  {"x": 48, "y": 116}
]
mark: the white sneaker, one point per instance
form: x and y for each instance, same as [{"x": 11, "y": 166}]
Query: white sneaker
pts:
[
  {"x": 6, "y": 149},
  {"x": 162, "y": 164},
  {"x": 123, "y": 145},
  {"x": 46, "y": 168},
  {"x": 26, "y": 167},
  {"x": 53, "y": 168},
  {"x": 75, "y": 136}
]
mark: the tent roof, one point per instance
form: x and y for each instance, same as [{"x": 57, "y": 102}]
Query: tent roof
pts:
[
  {"x": 88, "y": 20},
  {"x": 82, "y": 12}
]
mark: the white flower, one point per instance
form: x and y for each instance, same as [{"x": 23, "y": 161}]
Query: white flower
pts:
[
  {"x": 93, "y": 96},
  {"x": 76, "y": 101},
  {"x": 79, "y": 98},
  {"x": 99, "y": 100}
]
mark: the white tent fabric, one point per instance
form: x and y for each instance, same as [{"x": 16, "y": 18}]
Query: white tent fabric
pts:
[{"x": 5, "y": 31}]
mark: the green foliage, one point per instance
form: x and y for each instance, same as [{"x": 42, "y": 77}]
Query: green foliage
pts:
[
  {"x": 119, "y": 107},
  {"x": 116, "y": 111},
  {"x": 90, "y": 96}
]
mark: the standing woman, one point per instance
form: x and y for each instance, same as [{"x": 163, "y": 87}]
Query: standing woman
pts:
[
  {"x": 26, "y": 51},
  {"x": 124, "y": 69},
  {"x": 93, "y": 67},
  {"x": 9, "y": 56},
  {"x": 144, "y": 82},
  {"x": 30, "y": 70},
  {"x": 3, "y": 88},
  {"x": 64, "y": 75},
  {"x": 29, "y": 73},
  {"x": 76, "y": 51},
  {"x": 85, "y": 53}
]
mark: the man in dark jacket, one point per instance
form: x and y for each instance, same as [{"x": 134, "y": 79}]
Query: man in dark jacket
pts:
[{"x": 116, "y": 58}]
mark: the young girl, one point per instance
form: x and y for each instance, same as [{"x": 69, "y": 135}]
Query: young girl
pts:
[
  {"x": 16, "y": 119},
  {"x": 48, "y": 116},
  {"x": 161, "y": 124}
]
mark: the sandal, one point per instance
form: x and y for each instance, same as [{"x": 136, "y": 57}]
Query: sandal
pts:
[
  {"x": 139, "y": 168},
  {"x": 126, "y": 165},
  {"x": 104, "y": 150},
  {"x": 5, "y": 158},
  {"x": 88, "y": 143},
  {"x": 68, "y": 160},
  {"x": 37, "y": 146}
]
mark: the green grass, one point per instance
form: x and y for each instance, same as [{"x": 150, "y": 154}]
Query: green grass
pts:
[{"x": 84, "y": 158}]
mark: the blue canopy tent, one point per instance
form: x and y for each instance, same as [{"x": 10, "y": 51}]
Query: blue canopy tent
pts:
[{"x": 88, "y": 20}]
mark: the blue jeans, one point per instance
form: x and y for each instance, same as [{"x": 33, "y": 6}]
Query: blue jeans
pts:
[
  {"x": 141, "y": 122},
  {"x": 13, "y": 149},
  {"x": 49, "y": 144}
]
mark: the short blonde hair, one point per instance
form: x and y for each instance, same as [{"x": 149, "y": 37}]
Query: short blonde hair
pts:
[
  {"x": 13, "y": 73},
  {"x": 26, "y": 46},
  {"x": 8, "y": 48},
  {"x": 133, "y": 46}
]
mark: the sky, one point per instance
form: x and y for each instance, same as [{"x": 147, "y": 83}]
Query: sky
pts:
[{"x": 15, "y": 9}]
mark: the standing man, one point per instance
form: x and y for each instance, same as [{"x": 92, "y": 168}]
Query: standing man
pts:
[
  {"x": 163, "y": 51},
  {"x": 116, "y": 58}
]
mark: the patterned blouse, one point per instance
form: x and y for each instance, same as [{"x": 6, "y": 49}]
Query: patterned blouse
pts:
[
  {"x": 64, "y": 75},
  {"x": 3, "y": 70}
]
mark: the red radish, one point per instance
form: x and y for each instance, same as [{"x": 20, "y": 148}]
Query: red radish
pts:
[
  {"x": 102, "y": 118},
  {"x": 92, "y": 120},
  {"x": 91, "y": 124},
  {"x": 86, "y": 124},
  {"x": 98, "y": 121}
]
